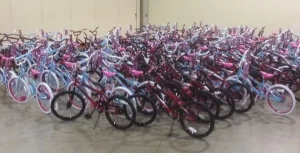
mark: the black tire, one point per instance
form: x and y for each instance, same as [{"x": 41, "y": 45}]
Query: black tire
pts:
[
  {"x": 54, "y": 103},
  {"x": 151, "y": 95},
  {"x": 150, "y": 113},
  {"x": 209, "y": 101},
  {"x": 207, "y": 121},
  {"x": 110, "y": 104},
  {"x": 226, "y": 102},
  {"x": 235, "y": 91}
]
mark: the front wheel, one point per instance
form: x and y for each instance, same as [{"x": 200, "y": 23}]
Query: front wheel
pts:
[
  {"x": 196, "y": 119},
  {"x": 44, "y": 96},
  {"x": 226, "y": 102},
  {"x": 281, "y": 99},
  {"x": 146, "y": 110},
  {"x": 18, "y": 89},
  {"x": 62, "y": 105},
  {"x": 242, "y": 97},
  {"x": 120, "y": 112},
  {"x": 51, "y": 79}
]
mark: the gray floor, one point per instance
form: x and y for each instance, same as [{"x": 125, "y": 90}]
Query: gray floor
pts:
[{"x": 24, "y": 129}]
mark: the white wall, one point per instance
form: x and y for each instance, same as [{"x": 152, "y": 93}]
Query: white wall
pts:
[
  {"x": 53, "y": 15},
  {"x": 273, "y": 14}
]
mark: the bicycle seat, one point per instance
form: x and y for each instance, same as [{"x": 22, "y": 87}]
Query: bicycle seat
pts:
[
  {"x": 137, "y": 73},
  {"x": 266, "y": 75},
  {"x": 242, "y": 50},
  {"x": 65, "y": 56},
  {"x": 70, "y": 64},
  {"x": 186, "y": 58},
  {"x": 204, "y": 48},
  {"x": 34, "y": 72},
  {"x": 283, "y": 52},
  {"x": 261, "y": 39},
  {"x": 108, "y": 74},
  {"x": 122, "y": 49},
  {"x": 227, "y": 65},
  {"x": 242, "y": 47},
  {"x": 6, "y": 58}
]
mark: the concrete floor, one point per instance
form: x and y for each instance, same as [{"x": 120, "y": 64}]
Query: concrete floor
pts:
[{"x": 24, "y": 129}]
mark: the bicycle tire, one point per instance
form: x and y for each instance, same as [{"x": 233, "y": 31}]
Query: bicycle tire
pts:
[
  {"x": 243, "y": 98},
  {"x": 53, "y": 105},
  {"x": 228, "y": 100},
  {"x": 187, "y": 129},
  {"x": 110, "y": 120},
  {"x": 289, "y": 92},
  {"x": 205, "y": 97},
  {"x": 148, "y": 112},
  {"x": 43, "y": 87}
]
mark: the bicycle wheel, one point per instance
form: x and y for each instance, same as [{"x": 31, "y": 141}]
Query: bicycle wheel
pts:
[
  {"x": 196, "y": 119},
  {"x": 242, "y": 97},
  {"x": 82, "y": 91},
  {"x": 61, "y": 105},
  {"x": 146, "y": 110},
  {"x": 225, "y": 101},
  {"x": 151, "y": 95},
  {"x": 18, "y": 89},
  {"x": 44, "y": 96},
  {"x": 122, "y": 91},
  {"x": 2, "y": 80},
  {"x": 281, "y": 99},
  {"x": 120, "y": 112},
  {"x": 209, "y": 101},
  {"x": 51, "y": 79}
]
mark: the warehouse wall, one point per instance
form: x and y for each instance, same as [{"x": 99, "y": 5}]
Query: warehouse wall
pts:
[
  {"x": 273, "y": 14},
  {"x": 30, "y": 15}
]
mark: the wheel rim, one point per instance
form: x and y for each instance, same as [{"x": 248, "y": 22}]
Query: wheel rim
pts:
[{"x": 279, "y": 101}]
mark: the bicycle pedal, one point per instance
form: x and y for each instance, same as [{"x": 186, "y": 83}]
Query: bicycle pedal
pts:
[{"x": 87, "y": 116}]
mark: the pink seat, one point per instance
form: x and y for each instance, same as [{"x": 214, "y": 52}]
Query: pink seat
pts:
[
  {"x": 266, "y": 75},
  {"x": 242, "y": 50},
  {"x": 6, "y": 58},
  {"x": 186, "y": 58},
  {"x": 70, "y": 64},
  {"x": 242, "y": 47},
  {"x": 34, "y": 72},
  {"x": 137, "y": 73},
  {"x": 65, "y": 56},
  {"x": 283, "y": 52},
  {"x": 227, "y": 65},
  {"x": 203, "y": 48},
  {"x": 122, "y": 49},
  {"x": 294, "y": 45},
  {"x": 108, "y": 74}
]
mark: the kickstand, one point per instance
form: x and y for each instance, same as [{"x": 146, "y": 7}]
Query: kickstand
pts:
[
  {"x": 171, "y": 127},
  {"x": 97, "y": 121}
]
